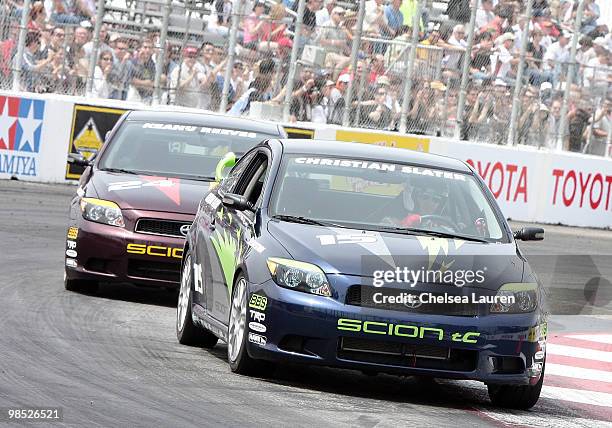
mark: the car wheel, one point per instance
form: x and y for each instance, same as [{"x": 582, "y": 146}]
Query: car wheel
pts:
[
  {"x": 516, "y": 396},
  {"x": 80, "y": 284},
  {"x": 187, "y": 332},
  {"x": 239, "y": 360}
]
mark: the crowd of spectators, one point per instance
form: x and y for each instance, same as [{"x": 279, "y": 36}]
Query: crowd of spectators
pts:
[{"x": 58, "y": 51}]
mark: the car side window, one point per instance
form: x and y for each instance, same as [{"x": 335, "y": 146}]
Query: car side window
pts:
[
  {"x": 251, "y": 183},
  {"x": 228, "y": 185}
]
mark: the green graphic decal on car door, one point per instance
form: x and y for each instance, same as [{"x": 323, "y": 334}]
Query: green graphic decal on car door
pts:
[{"x": 228, "y": 250}]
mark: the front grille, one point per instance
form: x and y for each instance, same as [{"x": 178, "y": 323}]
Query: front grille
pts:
[
  {"x": 161, "y": 227},
  {"x": 154, "y": 270},
  {"x": 406, "y": 354},
  {"x": 363, "y": 295}
]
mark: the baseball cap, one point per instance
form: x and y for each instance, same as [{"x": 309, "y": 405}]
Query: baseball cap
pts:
[
  {"x": 383, "y": 80},
  {"x": 339, "y": 10},
  {"x": 345, "y": 78},
  {"x": 506, "y": 36},
  {"x": 190, "y": 51}
]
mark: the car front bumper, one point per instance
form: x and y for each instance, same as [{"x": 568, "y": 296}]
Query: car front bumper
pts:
[
  {"x": 298, "y": 327},
  {"x": 101, "y": 252}
]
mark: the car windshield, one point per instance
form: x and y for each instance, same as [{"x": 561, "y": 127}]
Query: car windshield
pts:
[
  {"x": 373, "y": 195},
  {"x": 174, "y": 150}
]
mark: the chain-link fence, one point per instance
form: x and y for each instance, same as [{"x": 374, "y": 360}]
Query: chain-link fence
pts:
[{"x": 535, "y": 72}]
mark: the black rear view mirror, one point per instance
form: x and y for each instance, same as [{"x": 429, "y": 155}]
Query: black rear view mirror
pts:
[{"x": 530, "y": 234}]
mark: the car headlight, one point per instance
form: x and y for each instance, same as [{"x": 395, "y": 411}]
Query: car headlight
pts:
[
  {"x": 516, "y": 298},
  {"x": 101, "y": 211},
  {"x": 299, "y": 276}
]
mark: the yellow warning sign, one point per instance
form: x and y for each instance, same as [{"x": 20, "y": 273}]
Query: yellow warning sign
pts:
[
  {"x": 420, "y": 144},
  {"x": 88, "y": 141}
]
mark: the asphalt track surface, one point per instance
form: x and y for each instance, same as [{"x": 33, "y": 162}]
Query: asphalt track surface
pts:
[{"x": 112, "y": 359}]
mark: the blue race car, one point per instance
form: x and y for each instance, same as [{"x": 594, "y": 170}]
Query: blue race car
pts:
[{"x": 368, "y": 258}]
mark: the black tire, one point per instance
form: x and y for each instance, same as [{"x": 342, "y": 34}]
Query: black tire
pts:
[
  {"x": 187, "y": 332},
  {"x": 520, "y": 397},
  {"x": 242, "y": 363},
  {"x": 88, "y": 286}
]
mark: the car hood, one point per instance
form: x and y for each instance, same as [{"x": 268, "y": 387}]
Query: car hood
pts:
[
  {"x": 145, "y": 192},
  {"x": 360, "y": 253}
]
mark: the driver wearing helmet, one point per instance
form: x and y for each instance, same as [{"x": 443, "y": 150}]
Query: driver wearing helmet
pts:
[{"x": 423, "y": 197}]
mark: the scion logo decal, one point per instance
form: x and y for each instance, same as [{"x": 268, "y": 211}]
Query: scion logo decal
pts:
[
  {"x": 404, "y": 330},
  {"x": 168, "y": 186},
  {"x": 155, "y": 250},
  {"x": 185, "y": 229},
  {"x": 258, "y": 302}
]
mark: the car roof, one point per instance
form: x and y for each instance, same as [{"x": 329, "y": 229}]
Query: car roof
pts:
[
  {"x": 371, "y": 152},
  {"x": 206, "y": 119}
]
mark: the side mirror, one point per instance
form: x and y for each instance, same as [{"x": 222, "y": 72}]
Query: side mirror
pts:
[
  {"x": 237, "y": 202},
  {"x": 530, "y": 234},
  {"x": 78, "y": 159},
  {"x": 228, "y": 161}
]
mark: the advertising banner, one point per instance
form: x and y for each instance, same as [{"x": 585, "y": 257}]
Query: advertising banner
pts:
[
  {"x": 33, "y": 136},
  {"x": 389, "y": 139},
  {"x": 89, "y": 127}
]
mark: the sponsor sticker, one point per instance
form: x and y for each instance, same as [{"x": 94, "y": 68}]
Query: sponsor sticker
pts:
[
  {"x": 255, "y": 326},
  {"x": 258, "y": 339},
  {"x": 381, "y": 166},
  {"x": 71, "y": 253},
  {"x": 71, "y": 245},
  {"x": 255, "y": 245},
  {"x": 71, "y": 263},
  {"x": 73, "y": 232},
  {"x": 257, "y": 316},
  {"x": 258, "y": 302}
]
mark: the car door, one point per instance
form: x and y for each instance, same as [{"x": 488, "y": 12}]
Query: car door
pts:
[
  {"x": 206, "y": 221},
  {"x": 234, "y": 229}
]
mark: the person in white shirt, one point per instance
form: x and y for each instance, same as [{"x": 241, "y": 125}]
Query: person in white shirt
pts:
[
  {"x": 375, "y": 19},
  {"x": 557, "y": 57},
  {"x": 484, "y": 14},
  {"x": 503, "y": 59},
  {"x": 598, "y": 73},
  {"x": 101, "y": 87},
  {"x": 187, "y": 88},
  {"x": 323, "y": 16},
  {"x": 457, "y": 43}
]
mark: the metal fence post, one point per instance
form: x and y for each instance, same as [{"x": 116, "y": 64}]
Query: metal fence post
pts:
[
  {"x": 23, "y": 31},
  {"x": 161, "y": 54},
  {"x": 354, "y": 53},
  {"x": 411, "y": 61},
  {"x": 570, "y": 74},
  {"x": 93, "y": 60},
  {"x": 293, "y": 58},
  {"x": 518, "y": 86},
  {"x": 465, "y": 72},
  {"x": 231, "y": 54}
]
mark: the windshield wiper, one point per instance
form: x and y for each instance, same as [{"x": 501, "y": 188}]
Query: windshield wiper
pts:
[
  {"x": 124, "y": 171},
  {"x": 198, "y": 177},
  {"x": 436, "y": 233},
  {"x": 305, "y": 220}
]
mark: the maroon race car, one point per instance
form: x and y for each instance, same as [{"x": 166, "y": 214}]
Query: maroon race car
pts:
[{"x": 137, "y": 199}]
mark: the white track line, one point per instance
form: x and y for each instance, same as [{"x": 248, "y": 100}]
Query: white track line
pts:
[
  {"x": 578, "y": 372},
  {"x": 576, "y": 352},
  {"x": 600, "y": 338}
]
